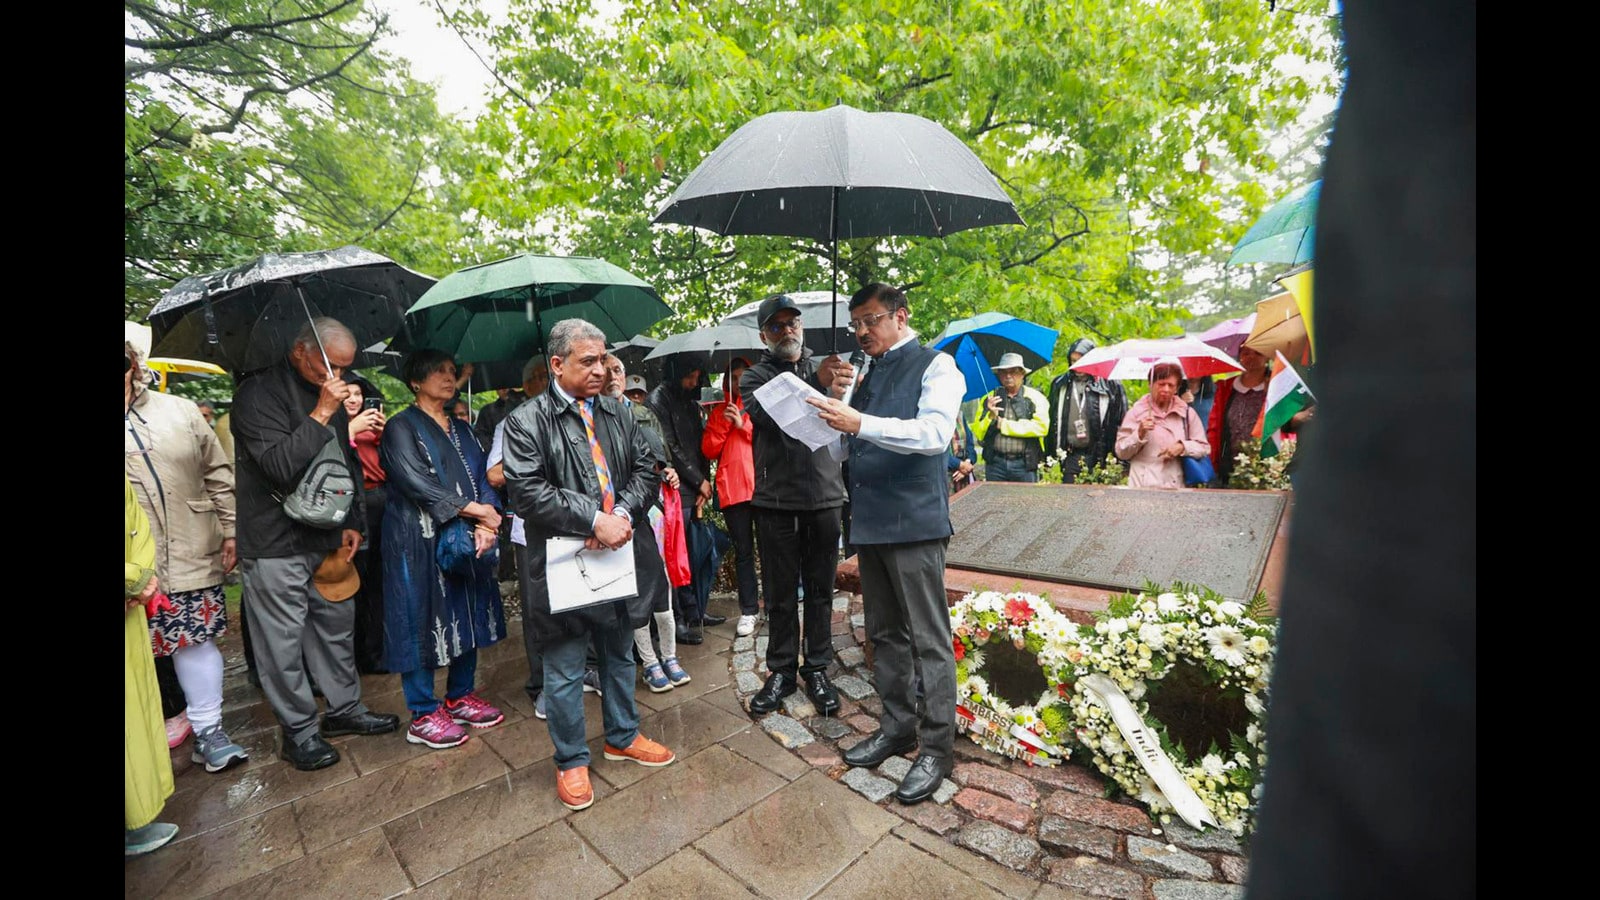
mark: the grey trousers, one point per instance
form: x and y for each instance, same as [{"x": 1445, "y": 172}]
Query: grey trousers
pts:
[
  {"x": 908, "y": 622},
  {"x": 289, "y": 618}
]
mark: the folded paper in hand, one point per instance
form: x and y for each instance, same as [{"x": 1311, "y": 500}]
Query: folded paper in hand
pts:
[
  {"x": 578, "y": 577},
  {"x": 784, "y": 399}
]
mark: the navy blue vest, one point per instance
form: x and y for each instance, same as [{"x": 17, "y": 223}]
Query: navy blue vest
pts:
[{"x": 896, "y": 498}]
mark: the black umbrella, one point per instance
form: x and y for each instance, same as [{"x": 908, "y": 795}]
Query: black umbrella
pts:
[
  {"x": 717, "y": 344},
  {"x": 633, "y": 351},
  {"x": 246, "y": 317},
  {"x": 840, "y": 173}
]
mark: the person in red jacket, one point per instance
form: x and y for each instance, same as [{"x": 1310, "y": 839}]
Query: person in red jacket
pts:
[{"x": 727, "y": 440}]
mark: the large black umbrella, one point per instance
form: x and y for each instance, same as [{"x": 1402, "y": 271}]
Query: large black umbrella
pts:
[
  {"x": 245, "y": 318},
  {"x": 840, "y": 173}
]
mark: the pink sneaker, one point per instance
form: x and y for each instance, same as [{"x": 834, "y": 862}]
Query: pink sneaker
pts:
[
  {"x": 475, "y": 711},
  {"x": 178, "y": 730},
  {"x": 436, "y": 730}
]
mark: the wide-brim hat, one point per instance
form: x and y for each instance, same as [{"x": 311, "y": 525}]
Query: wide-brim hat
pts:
[
  {"x": 1010, "y": 361},
  {"x": 336, "y": 578}
]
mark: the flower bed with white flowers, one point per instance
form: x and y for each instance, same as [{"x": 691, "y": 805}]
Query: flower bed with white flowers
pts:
[
  {"x": 1195, "y": 667},
  {"x": 1015, "y": 655}
]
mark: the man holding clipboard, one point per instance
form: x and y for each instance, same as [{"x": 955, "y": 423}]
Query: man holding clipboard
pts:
[{"x": 581, "y": 477}]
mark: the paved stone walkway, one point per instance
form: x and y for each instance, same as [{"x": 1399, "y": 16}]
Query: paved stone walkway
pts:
[{"x": 737, "y": 815}]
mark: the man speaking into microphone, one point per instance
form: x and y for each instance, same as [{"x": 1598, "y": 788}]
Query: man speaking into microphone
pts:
[{"x": 897, "y": 425}]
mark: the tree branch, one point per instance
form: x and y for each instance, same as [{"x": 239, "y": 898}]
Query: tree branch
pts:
[
  {"x": 214, "y": 37},
  {"x": 450, "y": 20}
]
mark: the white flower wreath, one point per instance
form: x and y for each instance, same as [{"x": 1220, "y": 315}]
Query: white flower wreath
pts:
[
  {"x": 1033, "y": 732},
  {"x": 1136, "y": 643}
]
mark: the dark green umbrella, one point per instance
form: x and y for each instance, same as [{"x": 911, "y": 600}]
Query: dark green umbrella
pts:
[
  {"x": 504, "y": 310},
  {"x": 1285, "y": 233}
]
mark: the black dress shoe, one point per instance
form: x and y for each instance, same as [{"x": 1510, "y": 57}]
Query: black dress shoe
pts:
[
  {"x": 822, "y": 694},
  {"x": 690, "y": 636},
  {"x": 710, "y": 621},
  {"x": 360, "y": 723},
  {"x": 926, "y": 774},
  {"x": 779, "y": 685},
  {"x": 311, "y": 754},
  {"x": 878, "y": 747}
]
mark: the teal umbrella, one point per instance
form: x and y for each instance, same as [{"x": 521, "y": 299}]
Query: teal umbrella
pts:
[
  {"x": 504, "y": 310},
  {"x": 1285, "y": 233}
]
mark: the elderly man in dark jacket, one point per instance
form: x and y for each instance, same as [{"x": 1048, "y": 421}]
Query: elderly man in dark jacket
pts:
[
  {"x": 577, "y": 466},
  {"x": 675, "y": 402},
  {"x": 283, "y": 417},
  {"x": 798, "y": 493},
  {"x": 1085, "y": 413}
]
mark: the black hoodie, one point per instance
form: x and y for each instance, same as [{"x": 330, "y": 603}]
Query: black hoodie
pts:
[{"x": 789, "y": 475}]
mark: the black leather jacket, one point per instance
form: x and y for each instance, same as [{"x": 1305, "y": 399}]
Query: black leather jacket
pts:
[
  {"x": 1105, "y": 404},
  {"x": 789, "y": 475},
  {"x": 550, "y": 476}
]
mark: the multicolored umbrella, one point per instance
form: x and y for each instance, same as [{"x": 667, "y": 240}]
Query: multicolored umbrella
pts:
[
  {"x": 1134, "y": 358},
  {"x": 1285, "y": 233},
  {"x": 977, "y": 342}
]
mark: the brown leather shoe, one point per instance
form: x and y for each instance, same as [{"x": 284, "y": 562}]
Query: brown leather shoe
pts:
[
  {"x": 643, "y": 751},
  {"x": 572, "y": 786}
]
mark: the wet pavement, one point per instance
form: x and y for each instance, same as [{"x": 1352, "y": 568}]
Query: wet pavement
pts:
[{"x": 737, "y": 815}]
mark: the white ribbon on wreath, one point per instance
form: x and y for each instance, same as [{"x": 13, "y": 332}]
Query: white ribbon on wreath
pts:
[{"x": 1147, "y": 749}]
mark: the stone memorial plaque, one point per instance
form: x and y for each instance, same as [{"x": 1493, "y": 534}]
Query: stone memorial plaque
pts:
[{"x": 1116, "y": 538}]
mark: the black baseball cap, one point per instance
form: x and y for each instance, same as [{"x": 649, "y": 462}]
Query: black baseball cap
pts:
[{"x": 772, "y": 305}]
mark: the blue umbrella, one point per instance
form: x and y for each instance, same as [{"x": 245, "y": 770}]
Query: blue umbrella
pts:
[{"x": 978, "y": 341}]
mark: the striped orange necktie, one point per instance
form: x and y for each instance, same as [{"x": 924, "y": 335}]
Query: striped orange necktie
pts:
[{"x": 601, "y": 470}]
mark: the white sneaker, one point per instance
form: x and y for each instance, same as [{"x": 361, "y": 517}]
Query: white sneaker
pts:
[{"x": 747, "y": 626}]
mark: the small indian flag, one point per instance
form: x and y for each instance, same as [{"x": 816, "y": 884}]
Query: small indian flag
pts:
[{"x": 1287, "y": 394}]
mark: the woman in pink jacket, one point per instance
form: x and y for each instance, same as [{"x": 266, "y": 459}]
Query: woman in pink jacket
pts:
[
  {"x": 727, "y": 440},
  {"x": 1159, "y": 429}
]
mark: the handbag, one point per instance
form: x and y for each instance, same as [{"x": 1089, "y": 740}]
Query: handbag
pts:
[
  {"x": 1197, "y": 471},
  {"x": 326, "y": 491},
  {"x": 455, "y": 551}
]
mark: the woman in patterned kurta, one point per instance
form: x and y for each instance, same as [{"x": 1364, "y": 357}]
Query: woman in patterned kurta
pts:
[{"x": 432, "y": 618}]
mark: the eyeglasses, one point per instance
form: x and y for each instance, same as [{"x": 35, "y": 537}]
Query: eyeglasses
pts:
[
  {"x": 866, "y": 322},
  {"x": 780, "y": 327},
  {"x": 592, "y": 582}
]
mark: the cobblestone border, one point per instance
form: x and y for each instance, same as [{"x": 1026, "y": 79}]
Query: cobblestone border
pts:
[{"x": 1054, "y": 825}]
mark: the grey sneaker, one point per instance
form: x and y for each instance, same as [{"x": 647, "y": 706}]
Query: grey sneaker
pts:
[
  {"x": 591, "y": 682},
  {"x": 538, "y": 706},
  {"x": 213, "y": 748},
  {"x": 138, "y": 841}
]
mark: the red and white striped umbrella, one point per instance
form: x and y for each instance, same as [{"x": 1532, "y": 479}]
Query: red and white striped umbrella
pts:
[{"x": 1133, "y": 358}]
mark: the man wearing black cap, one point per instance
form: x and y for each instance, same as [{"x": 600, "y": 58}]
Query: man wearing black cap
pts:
[
  {"x": 798, "y": 493},
  {"x": 1085, "y": 413}
]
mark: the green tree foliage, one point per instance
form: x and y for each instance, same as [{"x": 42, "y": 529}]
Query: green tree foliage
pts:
[
  {"x": 259, "y": 125},
  {"x": 1104, "y": 120}
]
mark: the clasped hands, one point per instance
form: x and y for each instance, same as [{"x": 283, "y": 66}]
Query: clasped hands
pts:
[{"x": 611, "y": 531}]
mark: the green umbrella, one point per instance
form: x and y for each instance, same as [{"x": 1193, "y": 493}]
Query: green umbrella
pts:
[
  {"x": 1286, "y": 232},
  {"x": 504, "y": 310}
]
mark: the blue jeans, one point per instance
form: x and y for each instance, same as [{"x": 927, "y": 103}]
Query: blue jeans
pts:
[
  {"x": 563, "y": 691},
  {"x": 1009, "y": 470},
  {"x": 418, "y": 684}
]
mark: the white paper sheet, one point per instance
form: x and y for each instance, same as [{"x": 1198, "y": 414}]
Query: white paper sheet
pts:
[
  {"x": 579, "y": 577},
  {"x": 784, "y": 399}
]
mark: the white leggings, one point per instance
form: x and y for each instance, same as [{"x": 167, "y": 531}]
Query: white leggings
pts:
[
  {"x": 667, "y": 629},
  {"x": 200, "y": 673}
]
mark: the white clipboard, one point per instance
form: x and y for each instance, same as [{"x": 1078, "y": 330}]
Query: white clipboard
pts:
[{"x": 577, "y": 577}]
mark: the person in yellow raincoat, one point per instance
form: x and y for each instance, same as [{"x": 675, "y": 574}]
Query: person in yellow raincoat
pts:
[{"x": 148, "y": 772}]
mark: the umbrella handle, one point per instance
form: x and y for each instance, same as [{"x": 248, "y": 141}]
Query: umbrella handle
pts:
[
  {"x": 833, "y": 233},
  {"x": 301, "y": 291}
]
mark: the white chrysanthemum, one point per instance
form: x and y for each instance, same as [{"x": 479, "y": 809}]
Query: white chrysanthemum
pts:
[
  {"x": 1137, "y": 691},
  {"x": 1211, "y": 764},
  {"x": 1227, "y": 644},
  {"x": 1252, "y": 702},
  {"x": 1115, "y": 627},
  {"x": 1242, "y": 758},
  {"x": 1111, "y": 744},
  {"x": 1230, "y": 608},
  {"x": 1168, "y": 603},
  {"x": 1150, "y": 633},
  {"x": 1259, "y": 645},
  {"x": 1150, "y": 795},
  {"x": 1252, "y": 733}
]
